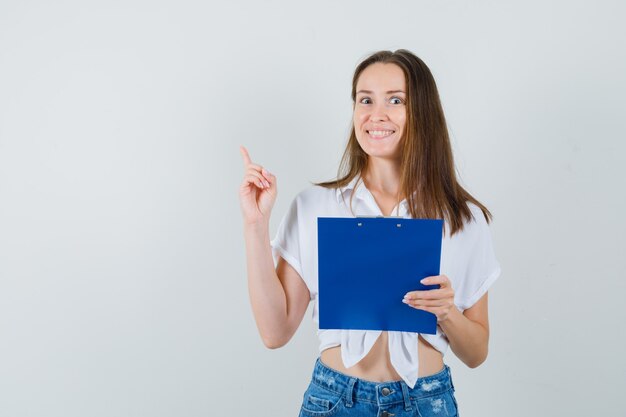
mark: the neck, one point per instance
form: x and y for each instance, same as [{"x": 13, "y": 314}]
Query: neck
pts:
[{"x": 382, "y": 176}]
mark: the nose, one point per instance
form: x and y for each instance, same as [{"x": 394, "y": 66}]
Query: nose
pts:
[{"x": 379, "y": 112}]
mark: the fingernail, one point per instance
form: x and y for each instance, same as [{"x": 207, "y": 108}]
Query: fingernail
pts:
[
  {"x": 405, "y": 301},
  {"x": 267, "y": 184},
  {"x": 422, "y": 280}
]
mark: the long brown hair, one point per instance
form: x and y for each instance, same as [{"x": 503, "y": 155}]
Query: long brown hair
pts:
[{"x": 428, "y": 178}]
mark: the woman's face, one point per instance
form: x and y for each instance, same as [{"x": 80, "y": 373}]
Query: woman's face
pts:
[{"x": 380, "y": 110}]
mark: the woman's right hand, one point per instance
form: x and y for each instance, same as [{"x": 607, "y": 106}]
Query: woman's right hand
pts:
[{"x": 258, "y": 191}]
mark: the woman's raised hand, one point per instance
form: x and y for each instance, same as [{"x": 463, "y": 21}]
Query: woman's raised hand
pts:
[{"x": 258, "y": 191}]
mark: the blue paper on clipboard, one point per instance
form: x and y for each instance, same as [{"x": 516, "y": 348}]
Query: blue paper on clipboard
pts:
[{"x": 367, "y": 264}]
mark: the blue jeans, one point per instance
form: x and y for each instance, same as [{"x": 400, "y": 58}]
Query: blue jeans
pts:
[{"x": 332, "y": 393}]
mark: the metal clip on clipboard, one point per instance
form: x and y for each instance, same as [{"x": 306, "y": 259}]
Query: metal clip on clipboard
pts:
[
  {"x": 384, "y": 217},
  {"x": 380, "y": 217}
]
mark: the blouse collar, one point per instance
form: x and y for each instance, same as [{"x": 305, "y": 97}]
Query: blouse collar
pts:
[{"x": 357, "y": 187}]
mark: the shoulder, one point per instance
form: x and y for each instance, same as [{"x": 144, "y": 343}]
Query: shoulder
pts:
[
  {"x": 478, "y": 217},
  {"x": 475, "y": 228},
  {"x": 316, "y": 197}
]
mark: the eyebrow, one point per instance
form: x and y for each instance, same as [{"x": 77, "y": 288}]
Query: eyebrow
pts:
[{"x": 388, "y": 92}]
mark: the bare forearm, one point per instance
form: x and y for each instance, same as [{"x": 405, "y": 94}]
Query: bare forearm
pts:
[
  {"x": 267, "y": 295},
  {"x": 468, "y": 340}
]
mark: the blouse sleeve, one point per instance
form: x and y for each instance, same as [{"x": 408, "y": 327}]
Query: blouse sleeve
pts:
[
  {"x": 286, "y": 242},
  {"x": 483, "y": 269}
]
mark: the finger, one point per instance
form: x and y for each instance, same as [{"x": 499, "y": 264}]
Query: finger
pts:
[
  {"x": 268, "y": 175},
  {"x": 244, "y": 154},
  {"x": 442, "y": 280},
  {"x": 257, "y": 174},
  {"x": 423, "y": 308},
  {"x": 429, "y": 294},
  {"x": 256, "y": 180},
  {"x": 423, "y": 295},
  {"x": 249, "y": 164},
  {"x": 427, "y": 303},
  {"x": 437, "y": 311},
  {"x": 256, "y": 167}
]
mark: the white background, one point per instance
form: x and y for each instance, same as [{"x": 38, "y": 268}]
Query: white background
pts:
[{"x": 123, "y": 287}]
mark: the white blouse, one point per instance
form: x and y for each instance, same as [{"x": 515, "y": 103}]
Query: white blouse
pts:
[{"x": 467, "y": 259}]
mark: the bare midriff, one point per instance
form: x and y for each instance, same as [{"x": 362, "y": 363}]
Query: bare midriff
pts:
[{"x": 376, "y": 365}]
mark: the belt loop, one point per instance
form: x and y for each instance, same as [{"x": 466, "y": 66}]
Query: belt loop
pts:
[
  {"x": 349, "y": 392},
  {"x": 405, "y": 394},
  {"x": 450, "y": 376}
]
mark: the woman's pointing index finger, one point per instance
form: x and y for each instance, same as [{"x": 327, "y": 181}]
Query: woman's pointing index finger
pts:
[{"x": 245, "y": 155}]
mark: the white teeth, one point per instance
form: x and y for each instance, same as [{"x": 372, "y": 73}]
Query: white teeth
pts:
[{"x": 380, "y": 133}]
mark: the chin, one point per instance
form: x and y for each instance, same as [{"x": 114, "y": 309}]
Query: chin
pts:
[
  {"x": 380, "y": 152},
  {"x": 382, "y": 155}
]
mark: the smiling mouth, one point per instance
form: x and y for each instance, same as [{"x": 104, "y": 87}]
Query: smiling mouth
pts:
[{"x": 378, "y": 134}]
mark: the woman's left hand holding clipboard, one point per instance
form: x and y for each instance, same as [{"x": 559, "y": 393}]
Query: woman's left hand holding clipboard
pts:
[{"x": 439, "y": 301}]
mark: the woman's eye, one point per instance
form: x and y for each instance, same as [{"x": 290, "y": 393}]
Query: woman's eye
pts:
[
  {"x": 363, "y": 99},
  {"x": 396, "y": 98}
]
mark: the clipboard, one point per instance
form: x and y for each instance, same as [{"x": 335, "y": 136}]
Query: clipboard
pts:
[{"x": 366, "y": 265}]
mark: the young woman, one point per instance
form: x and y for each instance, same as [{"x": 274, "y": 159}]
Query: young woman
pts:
[{"x": 398, "y": 161}]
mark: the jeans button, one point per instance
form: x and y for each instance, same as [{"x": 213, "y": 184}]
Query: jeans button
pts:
[{"x": 386, "y": 391}]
